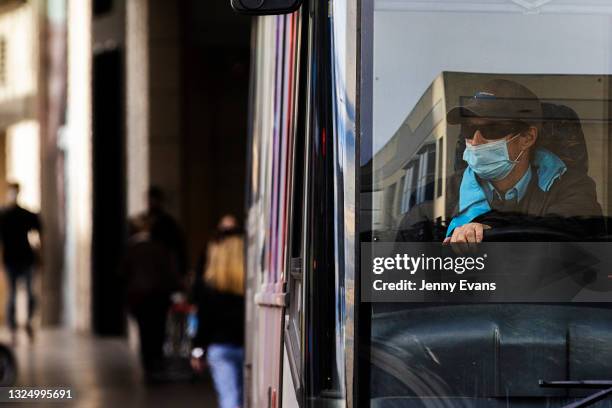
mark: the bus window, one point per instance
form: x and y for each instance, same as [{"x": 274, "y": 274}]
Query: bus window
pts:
[
  {"x": 560, "y": 158},
  {"x": 490, "y": 122}
]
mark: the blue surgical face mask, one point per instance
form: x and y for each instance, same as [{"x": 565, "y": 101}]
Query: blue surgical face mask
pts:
[{"x": 490, "y": 161}]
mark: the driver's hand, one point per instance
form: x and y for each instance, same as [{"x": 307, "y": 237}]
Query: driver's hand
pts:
[{"x": 470, "y": 233}]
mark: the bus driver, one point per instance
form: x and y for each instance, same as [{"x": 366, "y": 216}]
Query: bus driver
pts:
[{"x": 510, "y": 180}]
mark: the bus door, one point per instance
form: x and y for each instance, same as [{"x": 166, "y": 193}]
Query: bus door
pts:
[
  {"x": 275, "y": 52},
  {"x": 301, "y": 213}
]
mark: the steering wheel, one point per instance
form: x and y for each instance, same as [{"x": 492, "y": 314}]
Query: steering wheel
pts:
[{"x": 526, "y": 234}]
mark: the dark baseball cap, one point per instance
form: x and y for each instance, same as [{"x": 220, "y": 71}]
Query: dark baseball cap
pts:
[{"x": 498, "y": 100}]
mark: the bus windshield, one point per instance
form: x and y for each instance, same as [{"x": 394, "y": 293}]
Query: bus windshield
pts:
[{"x": 490, "y": 123}]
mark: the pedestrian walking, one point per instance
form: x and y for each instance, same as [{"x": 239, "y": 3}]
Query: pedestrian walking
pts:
[
  {"x": 20, "y": 257},
  {"x": 220, "y": 299},
  {"x": 149, "y": 270}
]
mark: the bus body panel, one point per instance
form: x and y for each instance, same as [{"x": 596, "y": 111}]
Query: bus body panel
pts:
[{"x": 276, "y": 45}]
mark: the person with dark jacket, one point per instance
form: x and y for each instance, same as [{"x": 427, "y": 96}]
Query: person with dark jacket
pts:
[
  {"x": 164, "y": 229},
  {"x": 150, "y": 273},
  {"x": 19, "y": 256},
  {"x": 219, "y": 296},
  {"x": 510, "y": 180}
]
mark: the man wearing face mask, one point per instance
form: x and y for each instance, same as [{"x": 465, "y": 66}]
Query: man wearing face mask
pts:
[{"x": 510, "y": 181}]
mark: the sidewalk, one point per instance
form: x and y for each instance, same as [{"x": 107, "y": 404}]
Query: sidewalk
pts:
[{"x": 102, "y": 372}]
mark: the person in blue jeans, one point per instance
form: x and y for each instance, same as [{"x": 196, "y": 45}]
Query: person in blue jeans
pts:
[
  {"x": 225, "y": 361},
  {"x": 219, "y": 295},
  {"x": 16, "y": 223}
]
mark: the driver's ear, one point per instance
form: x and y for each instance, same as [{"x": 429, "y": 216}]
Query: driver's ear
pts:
[{"x": 529, "y": 137}]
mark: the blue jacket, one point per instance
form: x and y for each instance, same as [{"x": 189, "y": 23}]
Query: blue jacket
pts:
[{"x": 473, "y": 200}]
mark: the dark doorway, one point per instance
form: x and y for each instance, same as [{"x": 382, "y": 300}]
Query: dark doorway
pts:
[
  {"x": 102, "y": 7},
  {"x": 109, "y": 208}
]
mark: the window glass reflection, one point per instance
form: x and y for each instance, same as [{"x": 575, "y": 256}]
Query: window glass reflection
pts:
[{"x": 491, "y": 118}]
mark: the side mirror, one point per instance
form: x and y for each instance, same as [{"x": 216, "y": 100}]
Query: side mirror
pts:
[{"x": 265, "y": 7}]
